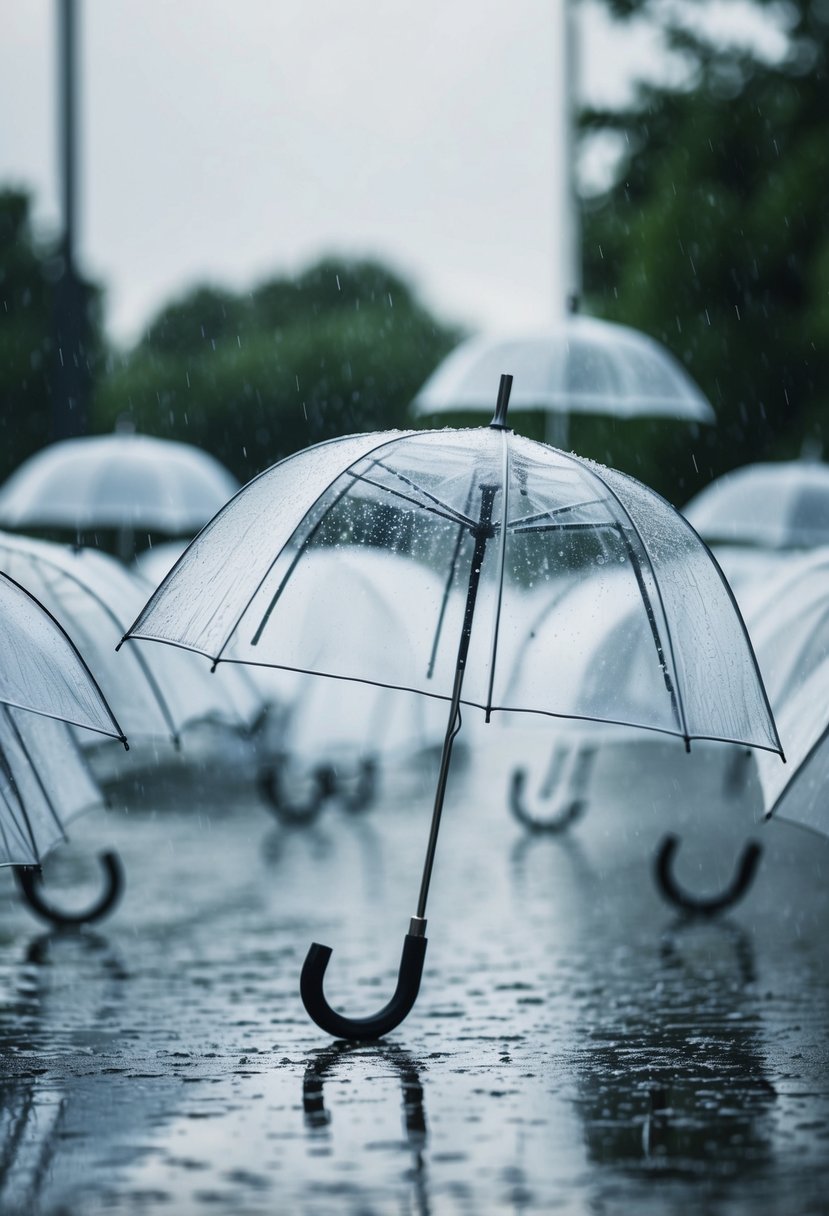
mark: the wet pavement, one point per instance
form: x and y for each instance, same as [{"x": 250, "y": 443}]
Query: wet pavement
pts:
[{"x": 577, "y": 1047}]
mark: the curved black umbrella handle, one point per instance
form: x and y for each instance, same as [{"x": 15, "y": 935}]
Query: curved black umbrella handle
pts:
[
  {"x": 29, "y": 880},
  {"x": 391, "y": 1015},
  {"x": 572, "y": 811},
  {"x": 709, "y": 905}
]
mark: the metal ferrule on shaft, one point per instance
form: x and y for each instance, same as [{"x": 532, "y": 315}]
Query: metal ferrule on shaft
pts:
[{"x": 499, "y": 418}]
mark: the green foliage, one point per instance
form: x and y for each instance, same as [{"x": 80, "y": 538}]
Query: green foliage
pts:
[
  {"x": 251, "y": 377},
  {"x": 29, "y": 278},
  {"x": 713, "y": 240}
]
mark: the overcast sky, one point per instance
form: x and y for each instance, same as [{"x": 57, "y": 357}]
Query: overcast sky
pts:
[{"x": 227, "y": 142}]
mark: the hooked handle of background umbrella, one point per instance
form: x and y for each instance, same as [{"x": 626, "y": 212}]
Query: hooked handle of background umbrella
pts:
[
  {"x": 571, "y": 811},
  {"x": 391, "y": 1015},
  {"x": 30, "y": 878},
  {"x": 704, "y": 905}
]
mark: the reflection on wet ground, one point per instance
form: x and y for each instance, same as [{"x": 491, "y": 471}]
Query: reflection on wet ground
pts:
[{"x": 576, "y": 1047}]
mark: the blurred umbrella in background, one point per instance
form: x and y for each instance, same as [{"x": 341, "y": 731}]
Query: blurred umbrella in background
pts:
[
  {"x": 42, "y": 669},
  {"x": 45, "y": 687},
  {"x": 44, "y": 784},
  {"x": 340, "y": 736},
  {"x": 158, "y": 702},
  {"x": 789, "y": 624},
  {"x": 123, "y": 483},
  {"x": 757, "y": 518},
  {"x": 799, "y": 792},
  {"x": 773, "y": 506},
  {"x": 580, "y": 366}
]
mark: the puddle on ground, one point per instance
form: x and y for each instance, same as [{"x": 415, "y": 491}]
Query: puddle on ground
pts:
[{"x": 576, "y": 1046}]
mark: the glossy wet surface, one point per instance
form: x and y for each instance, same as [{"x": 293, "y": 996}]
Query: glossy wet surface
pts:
[{"x": 576, "y": 1047}]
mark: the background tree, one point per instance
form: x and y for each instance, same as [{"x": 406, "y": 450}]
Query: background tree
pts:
[
  {"x": 28, "y": 273},
  {"x": 713, "y": 239},
  {"x": 253, "y": 376}
]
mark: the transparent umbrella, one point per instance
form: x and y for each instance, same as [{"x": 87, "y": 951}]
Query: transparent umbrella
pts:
[
  {"x": 798, "y": 792},
  {"x": 126, "y": 482},
  {"x": 46, "y": 689},
  {"x": 490, "y": 513},
  {"x": 581, "y": 365},
  {"x": 98, "y": 597},
  {"x": 45, "y": 785},
  {"x": 42, "y": 669},
  {"x": 774, "y": 506},
  {"x": 790, "y": 626}
]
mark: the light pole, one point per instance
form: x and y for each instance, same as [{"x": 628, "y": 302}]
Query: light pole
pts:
[{"x": 71, "y": 378}]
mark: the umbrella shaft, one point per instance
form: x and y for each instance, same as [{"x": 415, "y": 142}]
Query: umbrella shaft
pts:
[{"x": 482, "y": 534}]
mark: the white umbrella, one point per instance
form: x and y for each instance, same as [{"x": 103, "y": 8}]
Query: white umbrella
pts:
[
  {"x": 122, "y": 481},
  {"x": 798, "y": 792},
  {"x": 781, "y": 505},
  {"x": 45, "y": 784},
  {"x": 790, "y": 625},
  {"x": 580, "y": 366},
  {"x": 43, "y": 670}
]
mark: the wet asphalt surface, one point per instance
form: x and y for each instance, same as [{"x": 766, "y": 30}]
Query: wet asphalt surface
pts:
[{"x": 577, "y": 1046}]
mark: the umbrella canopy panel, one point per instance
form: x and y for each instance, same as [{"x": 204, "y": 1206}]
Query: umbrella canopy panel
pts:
[
  {"x": 790, "y": 626},
  {"x": 777, "y": 506},
  {"x": 581, "y": 366},
  {"x": 116, "y": 481},
  {"x": 45, "y": 783},
  {"x": 524, "y": 518},
  {"x": 42, "y": 669}
]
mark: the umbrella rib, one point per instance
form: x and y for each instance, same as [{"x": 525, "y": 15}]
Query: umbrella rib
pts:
[
  {"x": 657, "y": 641},
  {"x": 674, "y": 692},
  {"x": 502, "y": 552},
  {"x": 119, "y": 625},
  {"x": 580, "y": 527},
  {"x": 574, "y": 506},
  {"x": 302, "y": 548},
  {"x": 120, "y": 734},
  {"x": 5, "y": 836},
  {"x": 456, "y": 515},
  {"x": 330, "y": 442},
  {"x": 28, "y": 757},
  {"x": 27, "y": 822},
  {"x": 378, "y": 485}
]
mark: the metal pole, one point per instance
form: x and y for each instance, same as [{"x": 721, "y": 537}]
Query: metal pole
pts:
[
  {"x": 483, "y": 532},
  {"x": 71, "y": 380}
]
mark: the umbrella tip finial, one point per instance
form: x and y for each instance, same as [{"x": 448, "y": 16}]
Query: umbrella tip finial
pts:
[{"x": 499, "y": 418}]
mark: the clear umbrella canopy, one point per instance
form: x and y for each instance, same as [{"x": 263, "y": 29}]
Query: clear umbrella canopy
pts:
[
  {"x": 492, "y": 518},
  {"x": 798, "y": 791},
  {"x": 116, "y": 481},
  {"x": 790, "y": 625},
  {"x": 42, "y": 669},
  {"x": 549, "y": 521},
  {"x": 97, "y": 597},
  {"x": 44, "y": 784},
  {"x": 776, "y": 506},
  {"x": 581, "y": 365}
]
